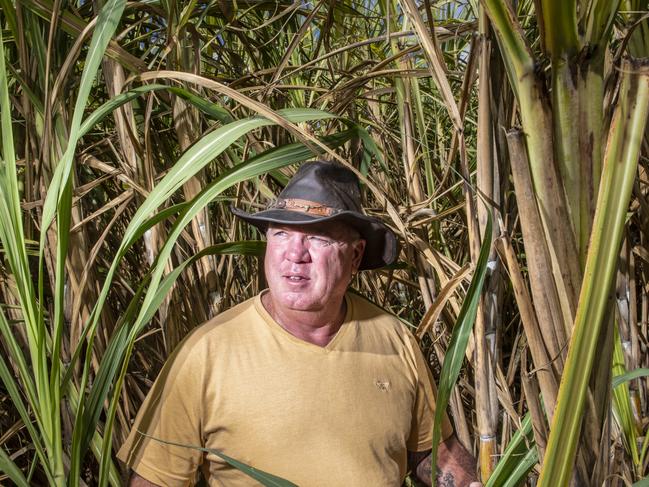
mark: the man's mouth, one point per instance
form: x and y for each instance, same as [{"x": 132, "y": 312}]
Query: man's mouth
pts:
[{"x": 296, "y": 278}]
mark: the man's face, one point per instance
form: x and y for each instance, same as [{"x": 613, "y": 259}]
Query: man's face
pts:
[{"x": 308, "y": 267}]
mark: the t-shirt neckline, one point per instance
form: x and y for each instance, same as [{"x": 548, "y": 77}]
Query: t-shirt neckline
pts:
[{"x": 279, "y": 329}]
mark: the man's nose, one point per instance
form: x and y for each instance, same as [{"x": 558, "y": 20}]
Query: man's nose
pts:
[{"x": 298, "y": 249}]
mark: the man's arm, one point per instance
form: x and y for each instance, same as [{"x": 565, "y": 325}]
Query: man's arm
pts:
[
  {"x": 455, "y": 465},
  {"x": 137, "y": 481}
]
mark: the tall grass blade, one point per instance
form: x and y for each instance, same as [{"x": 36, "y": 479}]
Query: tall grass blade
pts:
[
  {"x": 75, "y": 25},
  {"x": 14, "y": 393},
  {"x": 11, "y": 225},
  {"x": 265, "y": 478},
  {"x": 436, "y": 61},
  {"x": 58, "y": 202},
  {"x": 212, "y": 110},
  {"x": 109, "y": 17},
  {"x": 522, "y": 467},
  {"x": 459, "y": 340},
  {"x": 517, "y": 460},
  {"x": 11, "y": 469},
  {"x": 15, "y": 253},
  {"x": 628, "y": 376},
  {"x": 622, "y": 402}
]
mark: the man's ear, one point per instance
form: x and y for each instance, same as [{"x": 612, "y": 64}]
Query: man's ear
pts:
[{"x": 359, "y": 250}]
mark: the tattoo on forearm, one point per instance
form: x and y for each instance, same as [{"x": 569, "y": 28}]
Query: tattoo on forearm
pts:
[
  {"x": 445, "y": 479},
  {"x": 455, "y": 466}
]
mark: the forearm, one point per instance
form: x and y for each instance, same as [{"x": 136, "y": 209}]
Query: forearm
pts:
[{"x": 455, "y": 465}]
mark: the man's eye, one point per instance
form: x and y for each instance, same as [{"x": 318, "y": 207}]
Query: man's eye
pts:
[{"x": 320, "y": 241}]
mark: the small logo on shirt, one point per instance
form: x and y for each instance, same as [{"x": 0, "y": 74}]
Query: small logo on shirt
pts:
[{"x": 383, "y": 385}]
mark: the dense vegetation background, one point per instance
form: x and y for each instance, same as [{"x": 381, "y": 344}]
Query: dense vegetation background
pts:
[{"x": 129, "y": 128}]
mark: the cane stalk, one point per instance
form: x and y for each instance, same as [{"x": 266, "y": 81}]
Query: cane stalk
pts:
[{"x": 620, "y": 165}]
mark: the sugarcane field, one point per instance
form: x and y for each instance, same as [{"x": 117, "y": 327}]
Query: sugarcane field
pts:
[{"x": 324, "y": 243}]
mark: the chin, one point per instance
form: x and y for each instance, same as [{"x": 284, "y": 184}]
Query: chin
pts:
[
  {"x": 296, "y": 301},
  {"x": 300, "y": 305}
]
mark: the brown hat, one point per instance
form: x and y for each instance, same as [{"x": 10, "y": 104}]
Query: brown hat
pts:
[{"x": 324, "y": 191}]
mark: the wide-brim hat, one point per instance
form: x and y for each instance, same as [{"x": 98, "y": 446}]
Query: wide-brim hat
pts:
[{"x": 325, "y": 191}]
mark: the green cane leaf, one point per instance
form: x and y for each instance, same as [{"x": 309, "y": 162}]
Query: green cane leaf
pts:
[
  {"x": 517, "y": 460},
  {"x": 459, "y": 340},
  {"x": 265, "y": 478},
  {"x": 629, "y": 376}
]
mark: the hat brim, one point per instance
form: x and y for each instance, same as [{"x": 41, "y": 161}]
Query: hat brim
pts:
[{"x": 381, "y": 245}]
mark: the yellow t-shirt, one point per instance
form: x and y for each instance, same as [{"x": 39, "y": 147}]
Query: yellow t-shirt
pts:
[{"x": 342, "y": 415}]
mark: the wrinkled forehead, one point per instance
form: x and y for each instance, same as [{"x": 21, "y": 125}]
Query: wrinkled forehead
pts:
[{"x": 333, "y": 229}]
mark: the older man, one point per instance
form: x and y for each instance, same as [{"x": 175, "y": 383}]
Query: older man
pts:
[{"x": 305, "y": 381}]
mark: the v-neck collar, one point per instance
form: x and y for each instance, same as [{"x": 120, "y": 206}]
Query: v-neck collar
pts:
[{"x": 277, "y": 328}]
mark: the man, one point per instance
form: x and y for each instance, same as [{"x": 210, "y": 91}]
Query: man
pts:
[{"x": 305, "y": 381}]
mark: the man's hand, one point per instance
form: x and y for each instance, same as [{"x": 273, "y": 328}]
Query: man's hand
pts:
[{"x": 455, "y": 465}]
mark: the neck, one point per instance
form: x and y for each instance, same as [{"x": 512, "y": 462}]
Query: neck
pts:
[{"x": 317, "y": 327}]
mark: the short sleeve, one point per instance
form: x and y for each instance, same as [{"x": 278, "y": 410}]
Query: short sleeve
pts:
[
  {"x": 421, "y": 431},
  {"x": 170, "y": 413}
]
